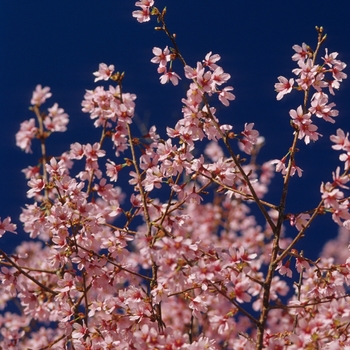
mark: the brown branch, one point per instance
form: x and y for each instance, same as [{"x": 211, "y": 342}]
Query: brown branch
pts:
[{"x": 20, "y": 269}]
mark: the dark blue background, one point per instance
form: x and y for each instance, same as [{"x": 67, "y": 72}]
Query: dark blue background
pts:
[{"x": 60, "y": 43}]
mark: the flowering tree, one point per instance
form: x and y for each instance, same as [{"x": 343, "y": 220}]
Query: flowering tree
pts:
[{"x": 177, "y": 260}]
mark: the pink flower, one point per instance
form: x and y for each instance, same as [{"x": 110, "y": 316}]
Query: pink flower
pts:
[
  {"x": 331, "y": 195},
  {"x": 341, "y": 140},
  {"x": 319, "y": 82},
  {"x": 210, "y": 60},
  {"x": 341, "y": 213},
  {"x": 330, "y": 59},
  {"x": 300, "y": 221},
  {"x": 26, "y": 134},
  {"x": 56, "y": 119},
  {"x": 299, "y": 117},
  {"x": 40, "y": 95},
  {"x": 161, "y": 57},
  {"x": 296, "y": 169},
  {"x": 250, "y": 133},
  {"x": 37, "y": 185},
  {"x": 80, "y": 330},
  {"x": 93, "y": 152},
  {"x": 66, "y": 284},
  {"x": 307, "y": 73},
  {"x": 301, "y": 52},
  {"x": 250, "y": 138},
  {"x": 153, "y": 179},
  {"x": 125, "y": 113},
  {"x": 301, "y": 264},
  {"x": 6, "y": 225},
  {"x": 340, "y": 180},
  {"x": 219, "y": 77},
  {"x": 320, "y": 108},
  {"x": 113, "y": 170},
  {"x": 345, "y": 157},
  {"x": 193, "y": 73},
  {"x": 104, "y": 72},
  {"x": 198, "y": 304},
  {"x": 76, "y": 151},
  {"x": 31, "y": 171},
  {"x": 142, "y": 15},
  {"x": 337, "y": 71},
  {"x": 148, "y": 3},
  {"x": 308, "y": 132},
  {"x": 203, "y": 343},
  {"x": 146, "y": 335},
  {"x": 241, "y": 286},
  {"x": 169, "y": 76},
  {"x": 284, "y": 269},
  {"x": 221, "y": 322},
  {"x": 8, "y": 281},
  {"x": 225, "y": 95},
  {"x": 214, "y": 151},
  {"x": 246, "y": 146},
  {"x": 114, "y": 208},
  {"x": 283, "y": 87},
  {"x": 204, "y": 79},
  {"x": 55, "y": 168},
  {"x": 280, "y": 165}
]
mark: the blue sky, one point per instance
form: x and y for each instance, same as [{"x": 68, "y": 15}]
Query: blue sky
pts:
[{"x": 60, "y": 43}]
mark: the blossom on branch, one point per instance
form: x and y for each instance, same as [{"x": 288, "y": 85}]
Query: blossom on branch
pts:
[
  {"x": 40, "y": 95},
  {"x": 169, "y": 76},
  {"x": 198, "y": 256},
  {"x": 26, "y": 134},
  {"x": 142, "y": 15},
  {"x": 283, "y": 87},
  {"x": 104, "y": 72},
  {"x": 6, "y": 225}
]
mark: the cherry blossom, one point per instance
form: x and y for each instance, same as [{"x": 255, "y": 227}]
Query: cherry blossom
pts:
[
  {"x": 300, "y": 221},
  {"x": 320, "y": 108},
  {"x": 165, "y": 238},
  {"x": 57, "y": 120},
  {"x": 302, "y": 52},
  {"x": 331, "y": 195},
  {"x": 283, "y": 87},
  {"x": 142, "y": 15},
  {"x": 250, "y": 138},
  {"x": 79, "y": 330},
  {"x": 104, "y": 72},
  {"x": 6, "y": 225},
  {"x": 341, "y": 140},
  {"x": 284, "y": 269},
  {"x": 169, "y": 76},
  {"x": 225, "y": 96},
  {"x": 26, "y": 134},
  {"x": 162, "y": 57},
  {"x": 306, "y": 130},
  {"x": 219, "y": 77},
  {"x": 40, "y": 95},
  {"x": 281, "y": 167},
  {"x": 210, "y": 60},
  {"x": 37, "y": 185}
]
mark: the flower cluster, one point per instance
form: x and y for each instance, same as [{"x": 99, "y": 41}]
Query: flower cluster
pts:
[
  {"x": 312, "y": 75},
  {"x": 176, "y": 259},
  {"x": 54, "y": 121}
]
